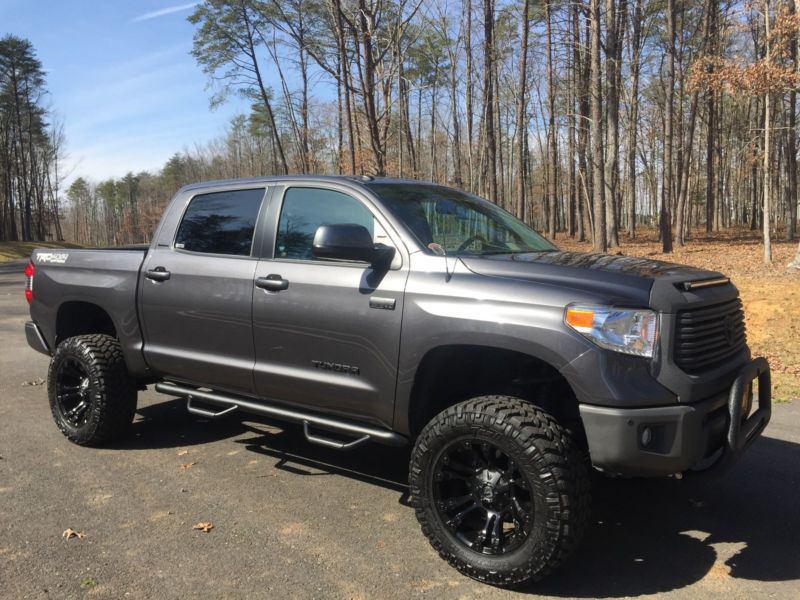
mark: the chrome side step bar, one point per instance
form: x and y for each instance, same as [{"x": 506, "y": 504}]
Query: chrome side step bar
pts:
[{"x": 231, "y": 403}]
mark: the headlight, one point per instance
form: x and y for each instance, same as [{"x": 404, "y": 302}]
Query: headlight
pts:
[{"x": 628, "y": 331}]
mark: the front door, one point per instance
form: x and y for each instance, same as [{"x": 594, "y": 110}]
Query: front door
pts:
[
  {"x": 329, "y": 340},
  {"x": 197, "y": 291}
]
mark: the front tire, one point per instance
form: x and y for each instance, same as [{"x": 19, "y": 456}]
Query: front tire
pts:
[
  {"x": 500, "y": 489},
  {"x": 92, "y": 397}
]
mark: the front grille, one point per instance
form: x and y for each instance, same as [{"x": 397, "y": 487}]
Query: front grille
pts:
[{"x": 706, "y": 337}]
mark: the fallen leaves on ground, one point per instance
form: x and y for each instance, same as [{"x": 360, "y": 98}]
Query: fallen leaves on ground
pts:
[
  {"x": 183, "y": 453},
  {"x": 734, "y": 252},
  {"x": 188, "y": 465},
  {"x": 204, "y": 526},
  {"x": 39, "y": 381},
  {"x": 69, "y": 532}
]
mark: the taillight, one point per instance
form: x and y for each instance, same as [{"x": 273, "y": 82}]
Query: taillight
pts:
[{"x": 29, "y": 272}]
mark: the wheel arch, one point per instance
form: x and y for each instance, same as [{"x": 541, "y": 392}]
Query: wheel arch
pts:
[
  {"x": 77, "y": 317},
  {"x": 449, "y": 374}
]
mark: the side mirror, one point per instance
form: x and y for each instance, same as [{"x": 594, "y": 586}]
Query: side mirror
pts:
[{"x": 349, "y": 242}]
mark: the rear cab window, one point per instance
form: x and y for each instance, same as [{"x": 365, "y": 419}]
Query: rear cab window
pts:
[{"x": 220, "y": 222}]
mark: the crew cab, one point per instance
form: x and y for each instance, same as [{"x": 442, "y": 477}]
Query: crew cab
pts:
[{"x": 401, "y": 312}]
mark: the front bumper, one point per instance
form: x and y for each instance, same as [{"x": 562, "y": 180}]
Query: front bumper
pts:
[{"x": 674, "y": 439}]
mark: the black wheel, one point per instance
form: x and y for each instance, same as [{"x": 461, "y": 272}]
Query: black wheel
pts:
[
  {"x": 92, "y": 397},
  {"x": 500, "y": 489}
]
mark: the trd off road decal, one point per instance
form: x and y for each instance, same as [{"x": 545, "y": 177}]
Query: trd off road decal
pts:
[{"x": 52, "y": 257}]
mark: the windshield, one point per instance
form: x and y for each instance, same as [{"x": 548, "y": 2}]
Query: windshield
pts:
[{"x": 447, "y": 221}]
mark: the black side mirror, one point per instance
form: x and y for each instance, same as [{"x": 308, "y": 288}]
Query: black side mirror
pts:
[{"x": 347, "y": 241}]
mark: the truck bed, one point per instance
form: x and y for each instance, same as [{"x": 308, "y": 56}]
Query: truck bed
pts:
[{"x": 89, "y": 282}]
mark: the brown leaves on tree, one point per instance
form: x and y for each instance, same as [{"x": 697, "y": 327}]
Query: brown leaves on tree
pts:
[
  {"x": 69, "y": 533},
  {"x": 204, "y": 526},
  {"x": 769, "y": 75},
  {"x": 761, "y": 77}
]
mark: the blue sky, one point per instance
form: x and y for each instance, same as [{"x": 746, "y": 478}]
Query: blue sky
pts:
[{"x": 121, "y": 78}]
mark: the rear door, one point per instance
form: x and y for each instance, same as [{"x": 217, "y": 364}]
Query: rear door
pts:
[
  {"x": 197, "y": 290},
  {"x": 329, "y": 340}
]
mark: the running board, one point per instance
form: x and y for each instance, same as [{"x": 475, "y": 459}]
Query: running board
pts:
[{"x": 231, "y": 403}]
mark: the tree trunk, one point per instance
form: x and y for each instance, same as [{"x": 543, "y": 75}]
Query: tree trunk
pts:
[
  {"x": 468, "y": 92},
  {"x": 552, "y": 150},
  {"x": 791, "y": 148},
  {"x": 712, "y": 8},
  {"x": 583, "y": 72},
  {"x": 347, "y": 82},
  {"x": 456, "y": 151},
  {"x": 666, "y": 184},
  {"x": 599, "y": 240},
  {"x": 767, "y": 185},
  {"x": 683, "y": 180},
  {"x": 251, "y": 52},
  {"x": 366, "y": 21},
  {"x": 488, "y": 100},
  {"x": 613, "y": 46},
  {"x": 572, "y": 70},
  {"x": 339, "y": 117},
  {"x": 522, "y": 118},
  {"x": 633, "y": 126}
]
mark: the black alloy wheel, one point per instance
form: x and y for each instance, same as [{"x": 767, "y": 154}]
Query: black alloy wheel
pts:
[
  {"x": 482, "y": 496},
  {"x": 92, "y": 396},
  {"x": 73, "y": 392},
  {"x": 500, "y": 489}
]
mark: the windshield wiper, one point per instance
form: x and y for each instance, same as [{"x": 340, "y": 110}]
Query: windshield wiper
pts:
[{"x": 513, "y": 252}]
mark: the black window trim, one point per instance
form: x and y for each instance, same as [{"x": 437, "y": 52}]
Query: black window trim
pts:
[{"x": 262, "y": 214}]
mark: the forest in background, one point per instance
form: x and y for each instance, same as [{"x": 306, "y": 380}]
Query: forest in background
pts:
[
  {"x": 30, "y": 148},
  {"x": 585, "y": 119}
]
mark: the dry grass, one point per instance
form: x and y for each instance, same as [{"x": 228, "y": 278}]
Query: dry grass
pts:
[
  {"x": 771, "y": 295},
  {"x": 20, "y": 250}
]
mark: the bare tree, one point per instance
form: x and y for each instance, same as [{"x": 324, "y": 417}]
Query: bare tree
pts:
[{"x": 599, "y": 239}]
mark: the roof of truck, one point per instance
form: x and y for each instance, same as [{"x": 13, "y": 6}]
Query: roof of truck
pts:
[{"x": 357, "y": 179}]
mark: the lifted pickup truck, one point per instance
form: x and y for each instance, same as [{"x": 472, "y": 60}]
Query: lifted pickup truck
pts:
[{"x": 410, "y": 313}]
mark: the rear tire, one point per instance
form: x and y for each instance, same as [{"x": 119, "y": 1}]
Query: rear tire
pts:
[
  {"x": 500, "y": 489},
  {"x": 92, "y": 397}
]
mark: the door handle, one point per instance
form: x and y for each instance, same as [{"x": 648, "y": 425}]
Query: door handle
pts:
[
  {"x": 158, "y": 274},
  {"x": 272, "y": 283}
]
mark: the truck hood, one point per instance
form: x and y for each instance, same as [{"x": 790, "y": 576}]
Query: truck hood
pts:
[{"x": 614, "y": 278}]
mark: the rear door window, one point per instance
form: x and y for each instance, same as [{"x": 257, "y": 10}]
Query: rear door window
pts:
[{"x": 220, "y": 222}]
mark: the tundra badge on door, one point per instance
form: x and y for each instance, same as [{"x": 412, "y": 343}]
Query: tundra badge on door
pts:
[{"x": 326, "y": 365}]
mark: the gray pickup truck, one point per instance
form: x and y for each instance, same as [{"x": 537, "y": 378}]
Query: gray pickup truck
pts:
[{"x": 401, "y": 312}]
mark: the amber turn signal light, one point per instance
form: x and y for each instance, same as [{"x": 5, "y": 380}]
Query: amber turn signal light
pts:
[{"x": 580, "y": 318}]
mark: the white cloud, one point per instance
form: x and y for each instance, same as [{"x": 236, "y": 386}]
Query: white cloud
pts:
[{"x": 164, "y": 11}]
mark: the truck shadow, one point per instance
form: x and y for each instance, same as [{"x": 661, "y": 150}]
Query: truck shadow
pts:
[
  {"x": 646, "y": 537},
  {"x": 651, "y": 536},
  {"x": 167, "y": 425},
  {"x": 375, "y": 464}
]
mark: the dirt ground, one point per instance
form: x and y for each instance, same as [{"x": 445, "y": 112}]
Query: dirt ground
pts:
[{"x": 771, "y": 295}]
